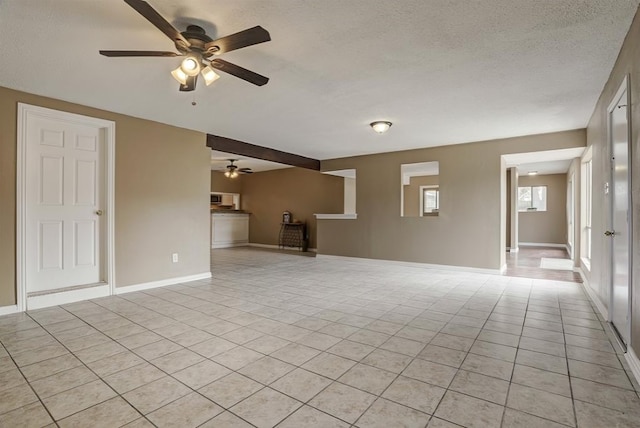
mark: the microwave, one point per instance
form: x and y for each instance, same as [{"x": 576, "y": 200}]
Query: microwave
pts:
[{"x": 216, "y": 199}]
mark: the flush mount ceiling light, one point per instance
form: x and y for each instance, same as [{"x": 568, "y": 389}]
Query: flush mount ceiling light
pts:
[
  {"x": 380, "y": 126},
  {"x": 200, "y": 51},
  {"x": 532, "y": 173}
]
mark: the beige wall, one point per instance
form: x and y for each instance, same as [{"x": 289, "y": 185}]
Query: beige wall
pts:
[
  {"x": 222, "y": 184},
  {"x": 628, "y": 63},
  {"x": 412, "y": 194},
  {"x": 550, "y": 226},
  {"x": 470, "y": 229},
  {"x": 303, "y": 192},
  {"x": 161, "y": 195}
]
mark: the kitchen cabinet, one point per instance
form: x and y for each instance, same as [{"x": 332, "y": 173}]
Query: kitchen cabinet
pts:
[{"x": 229, "y": 229}]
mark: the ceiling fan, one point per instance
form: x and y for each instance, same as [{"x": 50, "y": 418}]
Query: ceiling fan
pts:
[
  {"x": 233, "y": 170},
  {"x": 198, "y": 49}
]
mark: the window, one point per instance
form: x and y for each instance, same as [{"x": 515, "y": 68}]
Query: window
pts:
[
  {"x": 430, "y": 200},
  {"x": 532, "y": 198}
]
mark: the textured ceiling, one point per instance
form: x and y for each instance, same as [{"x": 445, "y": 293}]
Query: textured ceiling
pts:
[{"x": 443, "y": 71}]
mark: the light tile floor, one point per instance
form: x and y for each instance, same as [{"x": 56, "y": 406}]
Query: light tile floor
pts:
[{"x": 281, "y": 340}]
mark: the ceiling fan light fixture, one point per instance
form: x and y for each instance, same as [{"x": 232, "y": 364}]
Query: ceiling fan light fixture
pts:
[
  {"x": 234, "y": 174},
  {"x": 227, "y": 173},
  {"x": 380, "y": 126},
  {"x": 209, "y": 75},
  {"x": 191, "y": 65},
  {"x": 180, "y": 75}
]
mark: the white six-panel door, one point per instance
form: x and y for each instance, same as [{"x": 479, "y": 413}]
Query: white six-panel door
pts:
[{"x": 64, "y": 199}]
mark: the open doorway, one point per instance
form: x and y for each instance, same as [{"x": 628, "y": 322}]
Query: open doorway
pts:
[{"x": 541, "y": 201}]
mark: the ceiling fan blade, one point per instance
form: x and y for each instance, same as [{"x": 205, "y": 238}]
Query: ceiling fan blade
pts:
[
  {"x": 138, "y": 53},
  {"x": 245, "y": 171},
  {"x": 245, "y": 38},
  {"x": 240, "y": 72},
  {"x": 191, "y": 84},
  {"x": 144, "y": 9}
]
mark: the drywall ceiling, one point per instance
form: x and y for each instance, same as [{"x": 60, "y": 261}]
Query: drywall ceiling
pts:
[
  {"x": 545, "y": 168},
  {"x": 443, "y": 71},
  {"x": 220, "y": 160}
]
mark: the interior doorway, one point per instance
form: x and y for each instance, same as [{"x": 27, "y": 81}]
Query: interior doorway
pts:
[
  {"x": 620, "y": 219},
  {"x": 65, "y": 179}
]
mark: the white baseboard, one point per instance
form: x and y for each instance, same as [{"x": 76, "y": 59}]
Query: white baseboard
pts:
[
  {"x": 634, "y": 363},
  {"x": 7, "y": 310},
  {"x": 65, "y": 297},
  {"x": 503, "y": 269},
  {"x": 275, "y": 247},
  {"x": 541, "y": 244},
  {"x": 592, "y": 294},
  {"x": 229, "y": 244},
  {"x": 514, "y": 250},
  {"x": 415, "y": 264},
  {"x": 162, "y": 283}
]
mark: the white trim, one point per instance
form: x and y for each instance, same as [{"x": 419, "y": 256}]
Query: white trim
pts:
[
  {"x": 503, "y": 269},
  {"x": 229, "y": 244},
  {"x": 275, "y": 247},
  {"x": 541, "y": 244},
  {"x": 65, "y": 297},
  {"x": 586, "y": 263},
  {"x": 415, "y": 264},
  {"x": 25, "y": 111},
  {"x": 7, "y": 310},
  {"x": 592, "y": 294},
  {"x": 336, "y": 216},
  {"x": 513, "y": 250},
  {"x": 162, "y": 283},
  {"x": 634, "y": 362}
]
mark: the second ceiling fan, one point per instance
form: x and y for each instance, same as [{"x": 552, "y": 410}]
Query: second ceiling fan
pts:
[
  {"x": 198, "y": 49},
  {"x": 233, "y": 170}
]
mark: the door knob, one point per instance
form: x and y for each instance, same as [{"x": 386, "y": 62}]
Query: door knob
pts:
[
  {"x": 609, "y": 233},
  {"x": 99, "y": 212}
]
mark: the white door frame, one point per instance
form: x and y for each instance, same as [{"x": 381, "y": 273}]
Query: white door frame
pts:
[
  {"x": 25, "y": 112},
  {"x": 624, "y": 86}
]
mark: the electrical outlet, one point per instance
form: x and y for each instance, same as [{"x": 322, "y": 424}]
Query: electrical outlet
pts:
[{"x": 174, "y": 257}]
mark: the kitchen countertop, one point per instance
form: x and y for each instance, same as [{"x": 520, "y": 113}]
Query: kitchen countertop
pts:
[{"x": 218, "y": 211}]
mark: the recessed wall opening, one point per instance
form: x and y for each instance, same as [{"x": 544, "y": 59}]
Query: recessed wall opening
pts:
[
  {"x": 420, "y": 189},
  {"x": 349, "y": 176}
]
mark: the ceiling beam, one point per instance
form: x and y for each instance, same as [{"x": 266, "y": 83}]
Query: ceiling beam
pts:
[{"x": 228, "y": 145}]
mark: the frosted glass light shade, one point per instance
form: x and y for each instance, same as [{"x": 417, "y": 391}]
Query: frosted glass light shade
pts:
[
  {"x": 179, "y": 75},
  {"x": 191, "y": 66},
  {"x": 209, "y": 75},
  {"x": 380, "y": 126}
]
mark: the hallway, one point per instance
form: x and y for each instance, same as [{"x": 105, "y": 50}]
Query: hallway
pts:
[{"x": 526, "y": 263}]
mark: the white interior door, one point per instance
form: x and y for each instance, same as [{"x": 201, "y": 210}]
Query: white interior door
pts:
[
  {"x": 620, "y": 216},
  {"x": 65, "y": 181}
]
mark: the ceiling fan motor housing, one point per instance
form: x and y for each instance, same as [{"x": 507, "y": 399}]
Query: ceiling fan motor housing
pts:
[{"x": 198, "y": 38}]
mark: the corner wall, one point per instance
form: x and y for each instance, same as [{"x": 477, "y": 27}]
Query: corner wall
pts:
[
  {"x": 161, "y": 195},
  {"x": 470, "y": 228}
]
